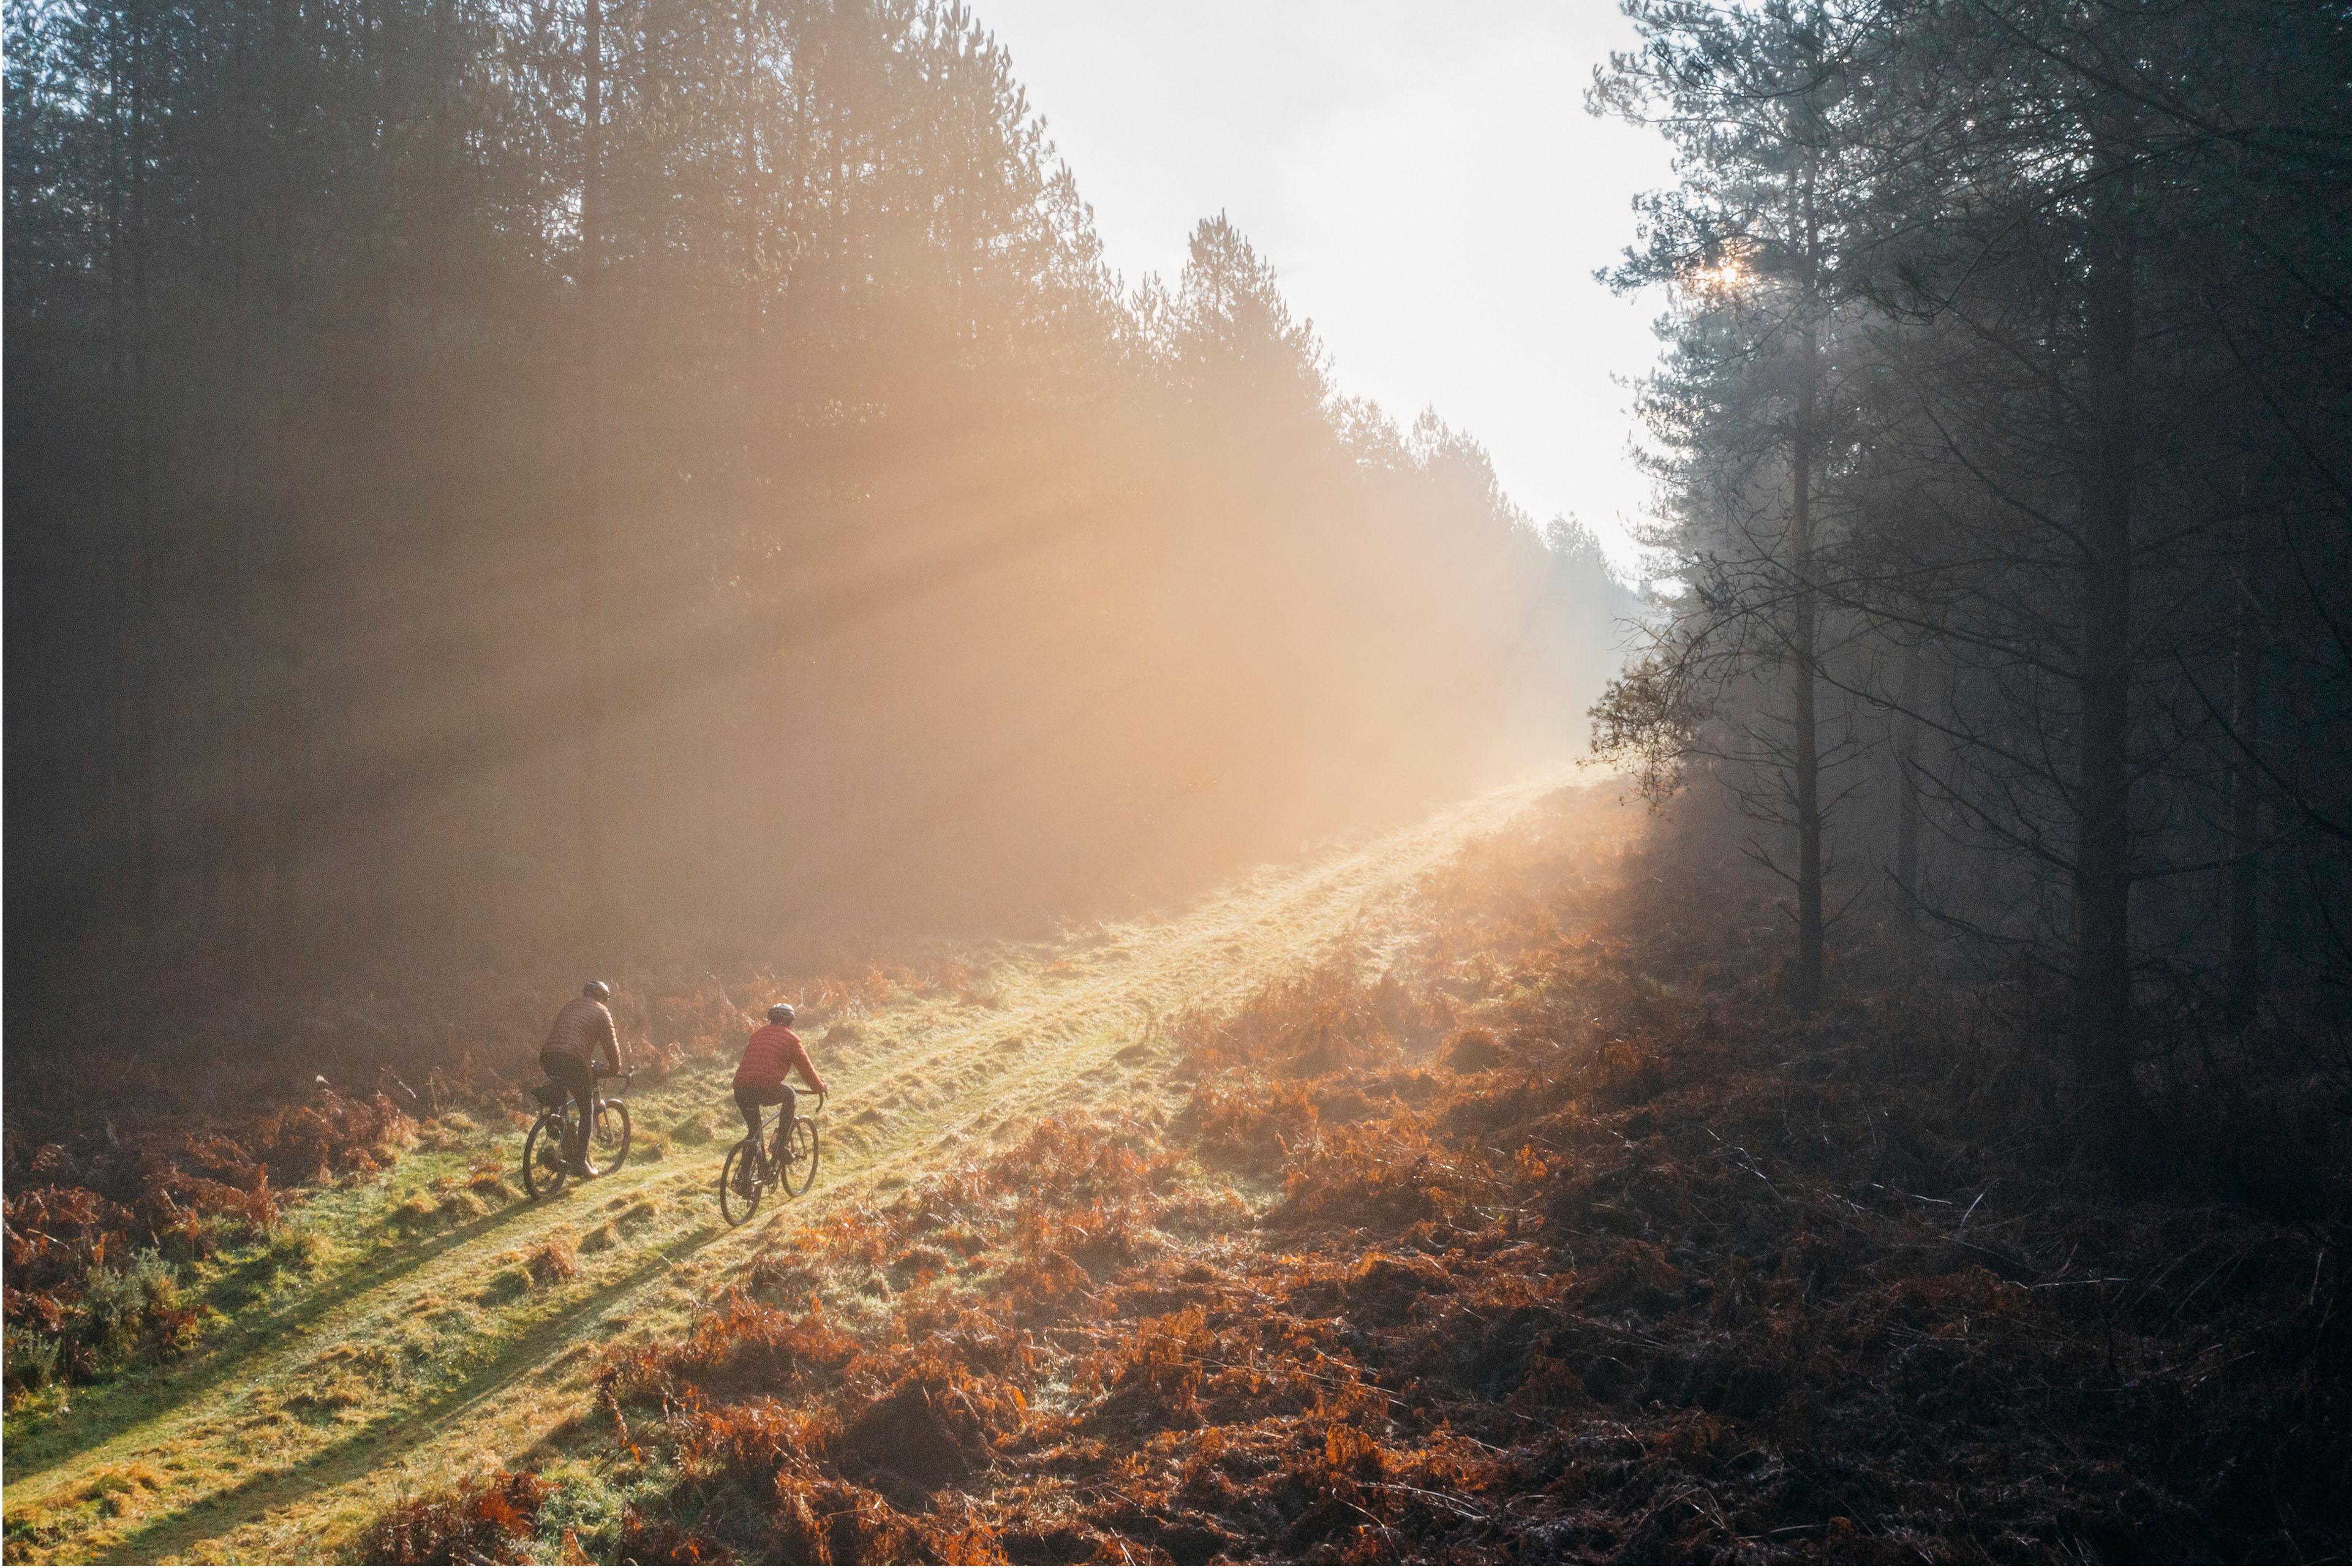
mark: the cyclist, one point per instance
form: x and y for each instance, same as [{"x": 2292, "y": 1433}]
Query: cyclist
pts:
[
  {"x": 771, "y": 1052},
  {"x": 583, "y": 1039}
]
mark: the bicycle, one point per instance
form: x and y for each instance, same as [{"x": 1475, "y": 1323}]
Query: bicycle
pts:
[
  {"x": 791, "y": 1164},
  {"x": 545, "y": 1171}
]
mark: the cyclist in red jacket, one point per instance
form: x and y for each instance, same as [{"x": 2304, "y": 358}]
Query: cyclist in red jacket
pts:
[{"x": 772, "y": 1052}]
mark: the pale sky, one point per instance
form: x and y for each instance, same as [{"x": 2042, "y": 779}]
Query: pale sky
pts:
[{"x": 1423, "y": 178}]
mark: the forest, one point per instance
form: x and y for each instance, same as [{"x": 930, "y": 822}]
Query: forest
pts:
[
  {"x": 675, "y": 490},
  {"x": 2003, "y": 442},
  {"x": 486, "y": 474}
]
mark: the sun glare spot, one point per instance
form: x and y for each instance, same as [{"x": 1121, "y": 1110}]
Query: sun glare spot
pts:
[{"x": 1722, "y": 276}]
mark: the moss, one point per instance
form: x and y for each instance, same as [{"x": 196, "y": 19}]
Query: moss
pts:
[
  {"x": 31, "y": 1360},
  {"x": 506, "y": 1285},
  {"x": 34, "y": 1526},
  {"x": 119, "y": 1306},
  {"x": 583, "y": 1502},
  {"x": 492, "y": 1187},
  {"x": 460, "y": 1206},
  {"x": 300, "y": 1248},
  {"x": 117, "y": 1491},
  {"x": 604, "y": 1239},
  {"x": 208, "y": 1236},
  {"x": 551, "y": 1262},
  {"x": 343, "y": 1390}
]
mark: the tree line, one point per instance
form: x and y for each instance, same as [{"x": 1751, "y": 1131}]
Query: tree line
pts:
[
  {"x": 479, "y": 469},
  {"x": 2003, "y": 442}
]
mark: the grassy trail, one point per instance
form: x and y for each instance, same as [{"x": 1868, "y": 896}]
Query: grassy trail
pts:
[{"x": 409, "y": 1361}]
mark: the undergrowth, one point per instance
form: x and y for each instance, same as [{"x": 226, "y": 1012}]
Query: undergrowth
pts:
[
  {"x": 1553, "y": 1235},
  {"x": 123, "y": 1175}
]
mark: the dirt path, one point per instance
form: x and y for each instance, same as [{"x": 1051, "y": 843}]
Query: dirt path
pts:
[{"x": 418, "y": 1361}]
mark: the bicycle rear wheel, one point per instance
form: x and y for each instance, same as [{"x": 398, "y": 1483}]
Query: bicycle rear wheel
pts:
[
  {"x": 798, "y": 1157},
  {"x": 608, "y": 1138},
  {"x": 741, "y": 1203},
  {"x": 543, "y": 1170}
]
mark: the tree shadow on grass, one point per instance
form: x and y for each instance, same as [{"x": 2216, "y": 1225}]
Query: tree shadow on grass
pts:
[
  {"x": 105, "y": 1411},
  {"x": 383, "y": 1442}
]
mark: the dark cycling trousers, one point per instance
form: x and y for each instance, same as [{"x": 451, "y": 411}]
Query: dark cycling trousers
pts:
[
  {"x": 748, "y": 1100},
  {"x": 571, "y": 1074}
]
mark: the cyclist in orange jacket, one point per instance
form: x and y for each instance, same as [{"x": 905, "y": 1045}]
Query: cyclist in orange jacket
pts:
[{"x": 772, "y": 1052}]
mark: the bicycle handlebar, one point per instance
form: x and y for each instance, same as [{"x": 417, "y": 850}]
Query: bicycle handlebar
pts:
[{"x": 820, "y": 1103}]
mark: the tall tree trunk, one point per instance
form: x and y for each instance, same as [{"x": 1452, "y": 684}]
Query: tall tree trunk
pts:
[
  {"x": 290, "y": 737},
  {"x": 590, "y": 826},
  {"x": 2245, "y": 805},
  {"x": 2103, "y": 855},
  {"x": 122, "y": 693},
  {"x": 1806, "y": 784},
  {"x": 246, "y": 849},
  {"x": 141, "y": 667},
  {"x": 1803, "y": 615},
  {"x": 1907, "y": 793}
]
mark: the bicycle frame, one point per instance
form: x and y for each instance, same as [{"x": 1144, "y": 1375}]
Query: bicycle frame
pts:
[
  {"x": 762, "y": 1162},
  {"x": 772, "y": 1144}
]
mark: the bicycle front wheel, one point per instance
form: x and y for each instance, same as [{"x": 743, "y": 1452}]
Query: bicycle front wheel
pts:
[
  {"x": 739, "y": 1186},
  {"x": 543, "y": 1170},
  {"x": 608, "y": 1138},
  {"x": 799, "y": 1157}
]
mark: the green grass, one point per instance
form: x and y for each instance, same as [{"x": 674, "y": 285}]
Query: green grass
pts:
[
  {"x": 344, "y": 1344},
  {"x": 396, "y": 1334}
]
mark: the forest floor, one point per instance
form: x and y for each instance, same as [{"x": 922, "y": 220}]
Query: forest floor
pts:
[
  {"x": 1469, "y": 1196},
  {"x": 414, "y": 1342}
]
